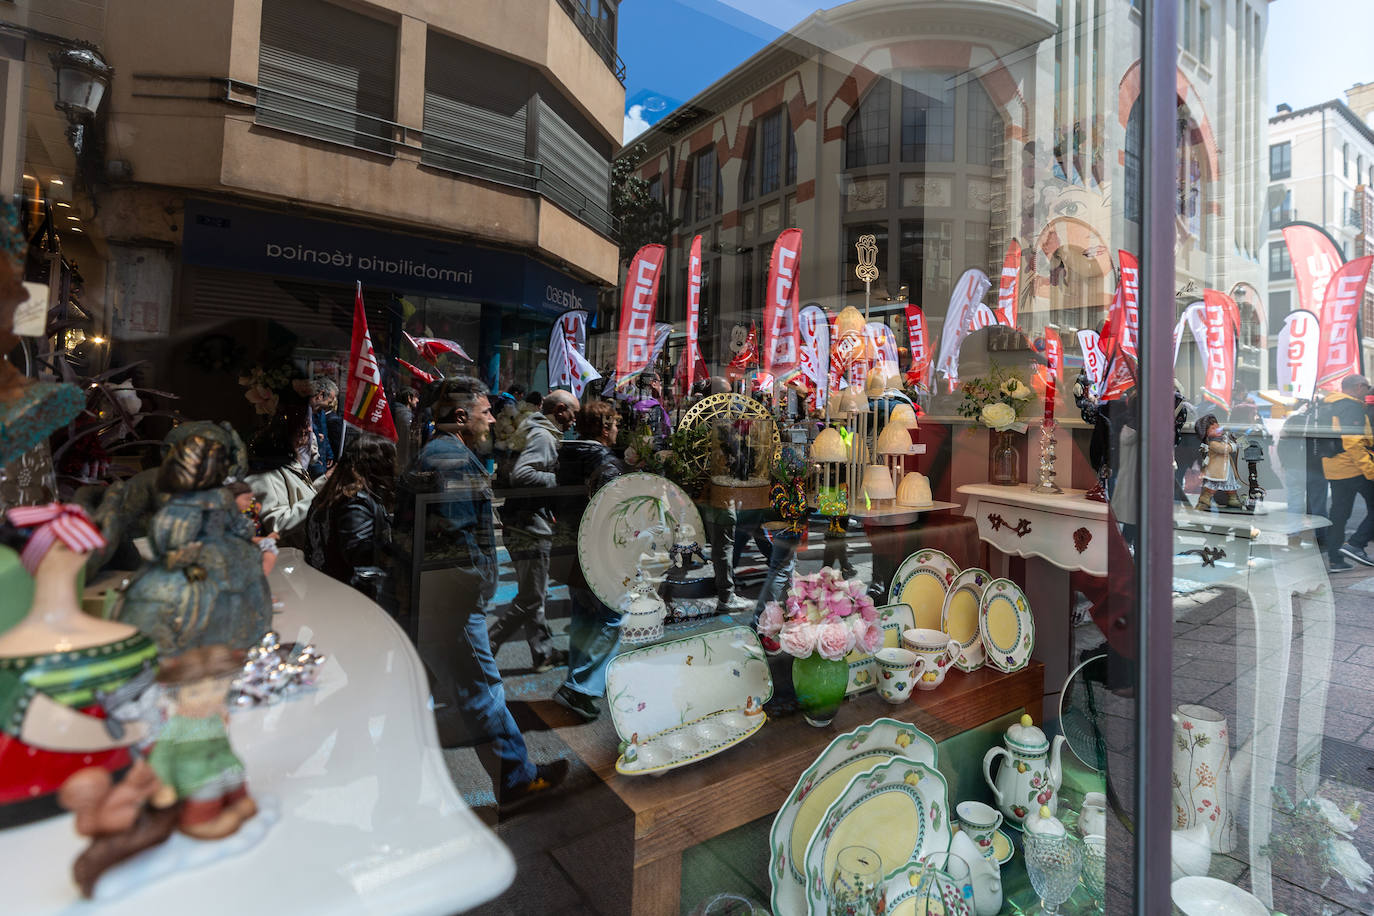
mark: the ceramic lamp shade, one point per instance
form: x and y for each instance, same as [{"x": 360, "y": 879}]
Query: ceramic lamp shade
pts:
[
  {"x": 874, "y": 383},
  {"x": 852, "y": 402},
  {"x": 829, "y": 446},
  {"x": 878, "y": 482},
  {"x": 904, "y": 415},
  {"x": 914, "y": 491},
  {"x": 849, "y": 319},
  {"x": 894, "y": 440}
]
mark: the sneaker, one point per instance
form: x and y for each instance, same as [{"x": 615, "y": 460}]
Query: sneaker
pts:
[
  {"x": 585, "y": 706},
  {"x": 1357, "y": 554},
  {"x": 849, "y": 572},
  {"x": 547, "y": 777},
  {"x": 770, "y": 645},
  {"x": 1338, "y": 564},
  {"x": 735, "y": 605},
  {"x": 556, "y": 658}
]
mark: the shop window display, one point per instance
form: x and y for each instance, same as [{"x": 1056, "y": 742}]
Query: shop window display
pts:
[{"x": 920, "y": 476}]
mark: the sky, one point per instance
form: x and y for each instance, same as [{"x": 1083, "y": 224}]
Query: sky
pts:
[{"x": 675, "y": 48}]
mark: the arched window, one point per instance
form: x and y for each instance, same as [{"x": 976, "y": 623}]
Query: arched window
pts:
[{"x": 1135, "y": 140}]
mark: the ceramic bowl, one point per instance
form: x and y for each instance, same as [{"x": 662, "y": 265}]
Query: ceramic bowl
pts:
[{"x": 1201, "y": 896}]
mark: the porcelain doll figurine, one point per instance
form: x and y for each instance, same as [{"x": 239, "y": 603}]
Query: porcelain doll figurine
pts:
[
  {"x": 56, "y": 664},
  {"x": 206, "y": 584},
  {"x": 1219, "y": 475},
  {"x": 192, "y": 757}
]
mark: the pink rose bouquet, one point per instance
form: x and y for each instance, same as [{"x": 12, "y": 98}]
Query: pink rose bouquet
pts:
[{"x": 824, "y": 613}]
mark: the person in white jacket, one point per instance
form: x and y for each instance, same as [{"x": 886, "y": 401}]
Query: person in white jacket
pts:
[{"x": 281, "y": 455}]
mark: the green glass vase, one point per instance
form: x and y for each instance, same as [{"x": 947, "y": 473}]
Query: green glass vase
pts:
[{"x": 820, "y": 685}]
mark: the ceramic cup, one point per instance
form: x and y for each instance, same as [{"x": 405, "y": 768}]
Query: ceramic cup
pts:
[
  {"x": 897, "y": 673},
  {"x": 939, "y": 651},
  {"x": 980, "y": 822}
]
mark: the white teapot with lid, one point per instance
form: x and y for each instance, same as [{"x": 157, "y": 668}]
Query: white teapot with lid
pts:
[
  {"x": 644, "y": 611},
  {"x": 1030, "y": 776}
]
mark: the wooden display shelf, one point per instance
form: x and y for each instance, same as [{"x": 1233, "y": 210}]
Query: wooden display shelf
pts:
[{"x": 685, "y": 807}]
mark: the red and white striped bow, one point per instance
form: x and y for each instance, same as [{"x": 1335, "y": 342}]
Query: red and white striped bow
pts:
[{"x": 55, "y": 522}]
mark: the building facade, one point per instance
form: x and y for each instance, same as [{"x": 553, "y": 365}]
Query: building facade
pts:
[{"x": 255, "y": 159}]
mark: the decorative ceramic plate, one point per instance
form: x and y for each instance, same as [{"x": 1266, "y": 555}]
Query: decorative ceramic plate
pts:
[
  {"x": 921, "y": 582},
  {"x": 1006, "y": 625},
  {"x": 1081, "y": 714},
  {"x": 863, "y": 670},
  {"x": 632, "y": 515},
  {"x": 899, "y": 809},
  {"x": 960, "y": 617},
  {"x": 1001, "y": 848},
  {"x": 1200, "y": 896},
  {"x": 908, "y": 893},
  {"x": 820, "y": 784},
  {"x": 691, "y": 742},
  {"x": 673, "y": 683}
]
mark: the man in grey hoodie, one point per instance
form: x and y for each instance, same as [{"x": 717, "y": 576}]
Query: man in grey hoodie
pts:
[{"x": 527, "y": 521}]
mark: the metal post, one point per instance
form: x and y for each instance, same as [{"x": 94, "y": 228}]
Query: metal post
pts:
[{"x": 1154, "y": 555}]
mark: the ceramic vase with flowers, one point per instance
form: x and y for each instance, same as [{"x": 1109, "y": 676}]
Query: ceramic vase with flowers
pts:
[
  {"x": 823, "y": 619},
  {"x": 997, "y": 402}
]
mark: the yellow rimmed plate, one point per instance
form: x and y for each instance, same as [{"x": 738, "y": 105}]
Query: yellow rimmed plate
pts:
[
  {"x": 1006, "y": 625},
  {"x": 960, "y": 617},
  {"x": 863, "y": 669},
  {"x": 922, "y": 582}
]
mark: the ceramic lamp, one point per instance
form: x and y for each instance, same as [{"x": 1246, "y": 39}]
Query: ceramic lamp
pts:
[
  {"x": 878, "y": 483},
  {"x": 829, "y": 446},
  {"x": 915, "y": 490},
  {"x": 904, "y": 415},
  {"x": 852, "y": 402},
  {"x": 849, "y": 319},
  {"x": 895, "y": 440},
  {"x": 874, "y": 383}
]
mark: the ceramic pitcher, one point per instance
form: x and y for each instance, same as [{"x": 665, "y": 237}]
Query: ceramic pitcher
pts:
[
  {"x": 1029, "y": 776},
  {"x": 1202, "y": 757}
]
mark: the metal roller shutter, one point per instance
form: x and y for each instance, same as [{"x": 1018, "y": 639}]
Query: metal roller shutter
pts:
[
  {"x": 327, "y": 72},
  {"x": 581, "y": 174}
]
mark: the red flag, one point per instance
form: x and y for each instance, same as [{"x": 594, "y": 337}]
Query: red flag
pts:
[
  {"x": 431, "y": 348},
  {"x": 749, "y": 356},
  {"x": 918, "y": 342},
  {"x": 637, "y": 313},
  {"x": 1338, "y": 354},
  {"x": 1054, "y": 355},
  {"x": 420, "y": 374},
  {"x": 782, "y": 339},
  {"x": 1315, "y": 261},
  {"x": 364, "y": 400},
  {"x": 1220, "y": 315},
  {"x": 1007, "y": 287},
  {"x": 691, "y": 356},
  {"x": 1121, "y": 333}
]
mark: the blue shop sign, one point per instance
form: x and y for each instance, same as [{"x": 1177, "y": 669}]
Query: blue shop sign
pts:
[{"x": 225, "y": 236}]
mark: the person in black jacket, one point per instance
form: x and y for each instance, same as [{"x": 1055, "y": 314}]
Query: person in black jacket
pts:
[{"x": 349, "y": 524}]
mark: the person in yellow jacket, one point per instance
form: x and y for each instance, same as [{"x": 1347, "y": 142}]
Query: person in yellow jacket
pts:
[{"x": 1348, "y": 464}]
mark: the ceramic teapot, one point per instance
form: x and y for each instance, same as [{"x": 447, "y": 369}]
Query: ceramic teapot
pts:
[{"x": 1030, "y": 776}]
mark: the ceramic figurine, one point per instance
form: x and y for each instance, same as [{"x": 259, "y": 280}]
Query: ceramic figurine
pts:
[
  {"x": 643, "y": 612},
  {"x": 55, "y": 664},
  {"x": 752, "y": 707},
  {"x": 117, "y": 817},
  {"x": 206, "y": 585},
  {"x": 630, "y": 749},
  {"x": 192, "y": 757},
  {"x": 1219, "y": 474},
  {"x": 1030, "y": 776}
]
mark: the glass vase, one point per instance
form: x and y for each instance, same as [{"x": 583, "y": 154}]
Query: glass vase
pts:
[
  {"x": 1006, "y": 463},
  {"x": 820, "y": 685}
]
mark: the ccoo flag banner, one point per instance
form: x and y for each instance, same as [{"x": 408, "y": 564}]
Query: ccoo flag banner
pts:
[
  {"x": 968, "y": 295},
  {"x": 692, "y": 356},
  {"x": 1338, "y": 354},
  {"x": 781, "y": 339},
  {"x": 1219, "y": 317},
  {"x": 364, "y": 400},
  {"x": 918, "y": 342},
  {"x": 1315, "y": 261},
  {"x": 1299, "y": 340},
  {"x": 1007, "y": 287},
  {"x": 637, "y": 313}
]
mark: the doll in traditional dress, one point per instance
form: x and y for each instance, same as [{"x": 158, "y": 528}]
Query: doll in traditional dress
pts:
[
  {"x": 55, "y": 664},
  {"x": 1219, "y": 475},
  {"x": 206, "y": 585},
  {"x": 192, "y": 757}
]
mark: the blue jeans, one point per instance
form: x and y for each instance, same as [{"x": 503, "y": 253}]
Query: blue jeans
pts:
[
  {"x": 781, "y": 561},
  {"x": 593, "y": 638},
  {"x": 453, "y": 642}
]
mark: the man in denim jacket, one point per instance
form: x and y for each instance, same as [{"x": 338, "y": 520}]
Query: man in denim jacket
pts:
[{"x": 470, "y": 701}]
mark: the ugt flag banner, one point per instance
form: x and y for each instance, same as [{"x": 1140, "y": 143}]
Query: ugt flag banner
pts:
[
  {"x": 637, "y": 313},
  {"x": 968, "y": 294},
  {"x": 1094, "y": 360},
  {"x": 1299, "y": 342},
  {"x": 1315, "y": 261},
  {"x": 568, "y": 364},
  {"x": 1338, "y": 354},
  {"x": 781, "y": 339},
  {"x": 365, "y": 403},
  {"x": 815, "y": 353}
]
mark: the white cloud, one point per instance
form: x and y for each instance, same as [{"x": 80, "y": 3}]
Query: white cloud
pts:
[{"x": 634, "y": 123}]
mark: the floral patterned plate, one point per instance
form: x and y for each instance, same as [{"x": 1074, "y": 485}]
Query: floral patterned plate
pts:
[
  {"x": 922, "y": 581},
  {"x": 1006, "y": 625},
  {"x": 863, "y": 670},
  {"x": 899, "y": 809},
  {"x": 670, "y": 684},
  {"x": 960, "y": 617},
  {"x": 634, "y": 514},
  {"x": 820, "y": 784},
  {"x": 691, "y": 742}
]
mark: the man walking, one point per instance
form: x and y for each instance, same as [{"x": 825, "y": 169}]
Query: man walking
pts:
[
  {"x": 1349, "y": 468},
  {"x": 528, "y": 522},
  {"x": 470, "y": 701}
]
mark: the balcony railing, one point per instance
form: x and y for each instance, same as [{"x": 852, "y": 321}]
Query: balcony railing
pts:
[{"x": 593, "y": 30}]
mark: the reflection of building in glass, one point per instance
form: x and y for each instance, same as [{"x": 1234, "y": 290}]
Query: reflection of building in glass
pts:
[
  {"x": 946, "y": 131},
  {"x": 1321, "y": 170}
]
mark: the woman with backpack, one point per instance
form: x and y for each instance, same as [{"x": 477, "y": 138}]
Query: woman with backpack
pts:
[{"x": 349, "y": 524}]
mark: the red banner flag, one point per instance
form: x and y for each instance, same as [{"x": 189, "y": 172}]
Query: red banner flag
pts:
[
  {"x": 1220, "y": 313},
  {"x": 637, "y": 313},
  {"x": 749, "y": 356},
  {"x": 782, "y": 339},
  {"x": 1054, "y": 356},
  {"x": 1122, "y": 332},
  {"x": 1315, "y": 261},
  {"x": 1338, "y": 355},
  {"x": 918, "y": 342},
  {"x": 1007, "y": 287},
  {"x": 364, "y": 400},
  {"x": 692, "y": 355}
]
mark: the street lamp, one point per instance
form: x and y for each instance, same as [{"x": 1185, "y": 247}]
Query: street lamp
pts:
[{"x": 82, "y": 78}]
